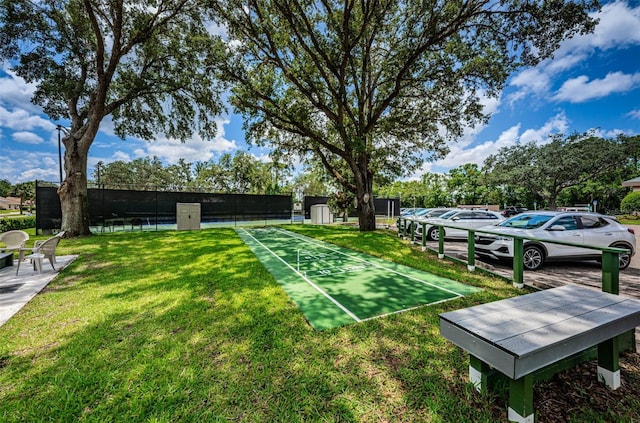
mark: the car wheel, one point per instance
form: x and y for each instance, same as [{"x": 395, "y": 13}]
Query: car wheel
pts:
[
  {"x": 532, "y": 257},
  {"x": 624, "y": 259},
  {"x": 434, "y": 233}
]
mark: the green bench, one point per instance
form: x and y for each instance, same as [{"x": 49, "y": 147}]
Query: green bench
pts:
[{"x": 523, "y": 335}]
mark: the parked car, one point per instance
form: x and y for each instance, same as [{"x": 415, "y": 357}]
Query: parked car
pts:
[
  {"x": 513, "y": 210},
  {"x": 581, "y": 228},
  {"x": 410, "y": 212},
  {"x": 464, "y": 219},
  {"x": 424, "y": 215}
]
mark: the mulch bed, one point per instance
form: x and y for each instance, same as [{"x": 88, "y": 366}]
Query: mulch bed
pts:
[{"x": 579, "y": 388}]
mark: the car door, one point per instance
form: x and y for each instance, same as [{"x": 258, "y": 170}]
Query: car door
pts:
[
  {"x": 572, "y": 233},
  {"x": 598, "y": 231},
  {"x": 472, "y": 220},
  {"x": 464, "y": 220}
]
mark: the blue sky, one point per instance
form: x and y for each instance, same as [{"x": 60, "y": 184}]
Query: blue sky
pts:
[{"x": 593, "y": 83}]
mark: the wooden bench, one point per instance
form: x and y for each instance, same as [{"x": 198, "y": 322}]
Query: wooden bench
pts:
[{"x": 521, "y": 335}]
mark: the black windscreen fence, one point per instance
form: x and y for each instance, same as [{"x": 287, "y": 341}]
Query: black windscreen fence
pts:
[{"x": 130, "y": 207}]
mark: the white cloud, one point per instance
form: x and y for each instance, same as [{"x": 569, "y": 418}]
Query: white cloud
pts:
[
  {"x": 533, "y": 80},
  {"x": 262, "y": 158},
  {"x": 611, "y": 133},
  {"x": 40, "y": 173},
  {"x": 460, "y": 155},
  {"x": 194, "y": 149},
  {"x": 557, "y": 124},
  {"x": 15, "y": 92},
  {"x": 27, "y": 137},
  {"x": 491, "y": 106},
  {"x": 564, "y": 62},
  {"x": 23, "y": 120},
  {"x": 635, "y": 114},
  {"x": 38, "y": 165},
  {"x": 530, "y": 81},
  {"x": 580, "y": 89},
  {"x": 120, "y": 156},
  {"x": 618, "y": 28}
]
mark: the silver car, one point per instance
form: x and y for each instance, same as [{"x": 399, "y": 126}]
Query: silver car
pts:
[
  {"x": 416, "y": 219},
  {"x": 462, "y": 219},
  {"x": 580, "y": 228}
]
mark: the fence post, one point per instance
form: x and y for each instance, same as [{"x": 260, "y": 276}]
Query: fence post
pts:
[
  {"x": 413, "y": 231},
  {"x": 440, "y": 242},
  {"x": 610, "y": 272},
  {"x": 518, "y": 265},
  {"x": 471, "y": 251}
]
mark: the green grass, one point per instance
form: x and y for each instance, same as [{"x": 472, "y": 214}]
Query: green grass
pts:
[{"x": 189, "y": 326}]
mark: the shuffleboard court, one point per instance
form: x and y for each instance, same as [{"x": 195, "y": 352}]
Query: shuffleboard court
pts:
[{"x": 335, "y": 286}]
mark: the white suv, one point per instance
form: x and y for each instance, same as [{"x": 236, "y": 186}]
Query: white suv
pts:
[{"x": 581, "y": 228}]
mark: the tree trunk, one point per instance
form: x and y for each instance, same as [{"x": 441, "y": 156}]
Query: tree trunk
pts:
[
  {"x": 73, "y": 192},
  {"x": 365, "y": 207}
]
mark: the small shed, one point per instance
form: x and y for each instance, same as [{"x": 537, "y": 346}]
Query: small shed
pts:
[
  {"x": 188, "y": 216},
  {"x": 321, "y": 215}
]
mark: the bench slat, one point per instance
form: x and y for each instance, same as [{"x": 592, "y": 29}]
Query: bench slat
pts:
[
  {"x": 562, "y": 295},
  {"x": 589, "y": 325},
  {"x": 494, "y": 328}
]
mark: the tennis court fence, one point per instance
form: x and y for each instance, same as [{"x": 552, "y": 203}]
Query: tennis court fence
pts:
[{"x": 155, "y": 209}]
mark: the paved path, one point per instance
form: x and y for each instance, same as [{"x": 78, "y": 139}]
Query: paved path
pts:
[{"x": 16, "y": 291}]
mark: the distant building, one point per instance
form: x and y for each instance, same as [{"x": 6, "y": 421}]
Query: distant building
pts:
[
  {"x": 10, "y": 203},
  {"x": 633, "y": 183}
]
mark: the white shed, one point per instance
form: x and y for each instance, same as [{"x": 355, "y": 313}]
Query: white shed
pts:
[
  {"x": 321, "y": 215},
  {"x": 188, "y": 216}
]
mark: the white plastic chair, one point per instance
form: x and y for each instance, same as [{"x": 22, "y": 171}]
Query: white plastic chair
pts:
[
  {"x": 13, "y": 240},
  {"x": 41, "y": 250}
]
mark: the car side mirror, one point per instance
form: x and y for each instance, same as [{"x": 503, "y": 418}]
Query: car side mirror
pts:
[
  {"x": 557, "y": 228},
  {"x": 456, "y": 218}
]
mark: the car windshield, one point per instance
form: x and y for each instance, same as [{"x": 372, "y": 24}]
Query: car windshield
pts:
[
  {"x": 447, "y": 215},
  {"x": 437, "y": 213},
  {"x": 526, "y": 221}
]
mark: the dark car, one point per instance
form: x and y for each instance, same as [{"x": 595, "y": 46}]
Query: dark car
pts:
[{"x": 513, "y": 210}]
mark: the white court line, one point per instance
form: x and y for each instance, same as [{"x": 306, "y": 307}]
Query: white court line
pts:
[
  {"x": 327, "y": 265},
  {"x": 310, "y": 241},
  {"x": 320, "y": 290},
  {"x": 404, "y": 310}
]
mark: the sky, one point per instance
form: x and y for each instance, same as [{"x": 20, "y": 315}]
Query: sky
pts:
[{"x": 592, "y": 83}]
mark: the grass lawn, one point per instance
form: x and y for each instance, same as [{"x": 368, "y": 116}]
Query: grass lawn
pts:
[{"x": 189, "y": 326}]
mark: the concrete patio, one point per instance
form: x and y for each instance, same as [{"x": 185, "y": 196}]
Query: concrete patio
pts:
[{"x": 16, "y": 291}]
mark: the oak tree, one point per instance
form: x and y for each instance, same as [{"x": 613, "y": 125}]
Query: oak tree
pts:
[
  {"x": 375, "y": 87},
  {"x": 145, "y": 63}
]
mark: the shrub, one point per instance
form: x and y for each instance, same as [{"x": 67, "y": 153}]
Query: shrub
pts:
[
  {"x": 631, "y": 202},
  {"x": 11, "y": 223}
]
